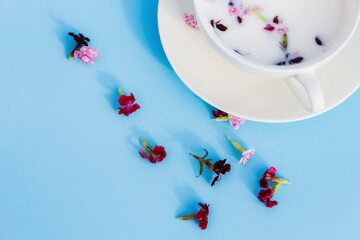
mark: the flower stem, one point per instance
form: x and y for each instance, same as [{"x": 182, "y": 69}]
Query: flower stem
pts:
[
  {"x": 187, "y": 217},
  {"x": 120, "y": 92},
  {"x": 77, "y": 47},
  {"x": 275, "y": 189},
  {"x": 236, "y": 145},
  {"x": 280, "y": 180},
  {"x": 220, "y": 119},
  {"x": 146, "y": 146},
  {"x": 256, "y": 13},
  {"x": 194, "y": 156}
]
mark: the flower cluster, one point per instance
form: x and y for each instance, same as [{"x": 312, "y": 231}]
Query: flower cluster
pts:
[
  {"x": 268, "y": 192},
  {"x": 219, "y": 168},
  {"x": 82, "y": 51},
  {"x": 155, "y": 155},
  {"x": 277, "y": 25},
  {"x": 240, "y": 12},
  {"x": 223, "y": 116},
  {"x": 201, "y": 216},
  {"x": 246, "y": 154}
]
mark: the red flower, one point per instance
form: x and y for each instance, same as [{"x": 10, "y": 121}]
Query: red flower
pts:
[
  {"x": 271, "y": 204},
  {"x": 276, "y": 20},
  {"x": 154, "y": 155},
  {"x": 127, "y": 103},
  {"x": 219, "y": 113},
  {"x": 201, "y": 216},
  {"x": 268, "y": 175},
  {"x": 265, "y": 197},
  {"x": 269, "y": 27},
  {"x": 266, "y": 194},
  {"x": 264, "y": 183},
  {"x": 220, "y": 167}
]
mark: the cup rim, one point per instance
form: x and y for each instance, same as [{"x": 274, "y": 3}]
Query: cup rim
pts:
[{"x": 206, "y": 28}]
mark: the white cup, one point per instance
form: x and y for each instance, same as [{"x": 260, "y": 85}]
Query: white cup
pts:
[{"x": 302, "y": 72}]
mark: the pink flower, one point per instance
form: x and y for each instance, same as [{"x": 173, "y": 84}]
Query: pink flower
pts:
[
  {"x": 86, "y": 54},
  {"x": 246, "y": 13},
  {"x": 282, "y": 29},
  {"x": 190, "y": 20},
  {"x": 236, "y": 121},
  {"x": 233, "y": 11},
  {"x": 246, "y": 156}
]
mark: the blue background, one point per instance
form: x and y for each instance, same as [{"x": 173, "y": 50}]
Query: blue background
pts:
[{"x": 70, "y": 168}]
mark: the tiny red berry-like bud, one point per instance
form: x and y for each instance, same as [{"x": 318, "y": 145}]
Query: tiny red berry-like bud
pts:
[
  {"x": 296, "y": 60},
  {"x": 276, "y": 20},
  {"x": 318, "y": 41},
  {"x": 221, "y": 27}
]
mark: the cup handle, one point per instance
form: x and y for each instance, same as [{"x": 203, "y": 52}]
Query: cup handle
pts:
[{"x": 311, "y": 85}]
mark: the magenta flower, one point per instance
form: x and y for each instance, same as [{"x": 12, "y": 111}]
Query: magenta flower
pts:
[
  {"x": 233, "y": 11},
  {"x": 265, "y": 195},
  {"x": 236, "y": 121},
  {"x": 155, "y": 155},
  {"x": 246, "y": 156},
  {"x": 190, "y": 20},
  {"x": 86, "y": 54}
]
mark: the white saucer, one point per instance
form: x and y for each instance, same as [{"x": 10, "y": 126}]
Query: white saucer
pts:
[{"x": 239, "y": 93}]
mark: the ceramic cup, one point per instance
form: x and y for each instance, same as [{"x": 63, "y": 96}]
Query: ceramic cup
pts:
[{"x": 303, "y": 72}]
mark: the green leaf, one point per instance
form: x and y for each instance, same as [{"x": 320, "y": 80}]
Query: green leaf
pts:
[
  {"x": 236, "y": 145},
  {"x": 206, "y": 153},
  {"x": 285, "y": 41},
  {"x": 222, "y": 119},
  {"x": 201, "y": 169}
]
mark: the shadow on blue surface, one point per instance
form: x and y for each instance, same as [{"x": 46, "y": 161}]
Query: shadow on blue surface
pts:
[
  {"x": 191, "y": 143},
  {"x": 62, "y": 30},
  {"x": 145, "y": 26},
  {"x": 188, "y": 199},
  {"x": 110, "y": 83}
]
